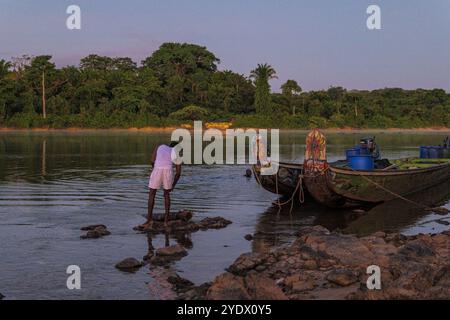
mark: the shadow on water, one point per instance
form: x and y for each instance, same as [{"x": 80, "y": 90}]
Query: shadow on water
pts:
[
  {"x": 277, "y": 227},
  {"x": 396, "y": 215}
]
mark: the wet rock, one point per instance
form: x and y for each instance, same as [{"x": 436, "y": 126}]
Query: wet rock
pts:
[
  {"x": 167, "y": 255},
  {"x": 129, "y": 265},
  {"x": 214, "y": 223},
  {"x": 175, "y": 250},
  {"x": 342, "y": 277},
  {"x": 95, "y": 231},
  {"x": 263, "y": 288},
  {"x": 248, "y": 237},
  {"x": 180, "y": 285},
  {"x": 196, "y": 293},
  {"x": 227, "y": 287},
  {"x": 183, "y": 225},
  {"x": 184, "y": 215},
  {"x": 93, "y": 227}
]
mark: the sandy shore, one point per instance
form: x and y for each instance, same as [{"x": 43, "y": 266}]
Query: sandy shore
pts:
[{"x": 170, "y": 129}]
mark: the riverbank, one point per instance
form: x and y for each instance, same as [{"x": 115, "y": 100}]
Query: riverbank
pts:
[
  {"x": 170, "y": 129},
  {"x": 329, "y": 265}
]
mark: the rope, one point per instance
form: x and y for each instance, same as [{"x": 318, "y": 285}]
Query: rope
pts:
[{"x": 440, "y": 209}]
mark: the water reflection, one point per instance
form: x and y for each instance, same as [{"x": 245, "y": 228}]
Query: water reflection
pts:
[
  {"x": 51, "y": 184},
  {"x": 276, "y": 228}
]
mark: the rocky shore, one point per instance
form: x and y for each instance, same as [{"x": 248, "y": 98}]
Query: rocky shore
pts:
[
  {"x": 178, "y": 228},
  {"x": 329, "y": 265}
]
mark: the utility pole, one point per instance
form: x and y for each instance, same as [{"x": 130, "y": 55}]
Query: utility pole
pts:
[{"x": 44, "y": 113}]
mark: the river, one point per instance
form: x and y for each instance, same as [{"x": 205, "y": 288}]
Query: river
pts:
[{"x": 53, "y": 183}]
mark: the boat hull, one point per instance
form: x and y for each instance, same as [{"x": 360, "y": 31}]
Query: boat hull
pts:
[
  {"x": 342, "y": 187},
  {"x": 285, "y": 182}
]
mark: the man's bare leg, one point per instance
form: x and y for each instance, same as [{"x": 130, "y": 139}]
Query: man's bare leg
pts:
[
  {"x": 151, "y": 203},
  {"x": 166, "y": 206}
]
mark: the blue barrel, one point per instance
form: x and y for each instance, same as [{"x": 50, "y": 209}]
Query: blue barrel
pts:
[
  {"x": 361, "y": 162},
  {"x": 352, "y": 152},
  {"x": 424, "y": 152},
  {"x": 435, "y": 152}
]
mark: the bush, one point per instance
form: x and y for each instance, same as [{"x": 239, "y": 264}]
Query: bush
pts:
[
  {"x": 190, "y": 113},
  {"x": 317, "y": 122}
]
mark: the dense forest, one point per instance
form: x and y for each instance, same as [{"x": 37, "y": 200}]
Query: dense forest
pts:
[{"x": 181, "y": 82}]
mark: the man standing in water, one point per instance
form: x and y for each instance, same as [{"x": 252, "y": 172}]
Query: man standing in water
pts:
[{"x": 162, "y": 175}]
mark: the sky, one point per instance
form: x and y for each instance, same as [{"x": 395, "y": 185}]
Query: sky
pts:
[{"x": 318, "y": 43}]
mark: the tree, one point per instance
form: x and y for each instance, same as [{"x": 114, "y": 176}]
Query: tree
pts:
[
  {"x": 261, "y": 75},
  {"x": 40, "y": 72},
  {"x": 4, "y": 68},
  {"x": 289, "y": 89},
  {"x": 336, "y": 94}
]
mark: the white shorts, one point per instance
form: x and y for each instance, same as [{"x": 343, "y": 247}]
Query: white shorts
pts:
[{"x": 161, "y": 176}]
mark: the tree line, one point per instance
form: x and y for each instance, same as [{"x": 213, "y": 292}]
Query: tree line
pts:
[{"x": 179, "y": 83}]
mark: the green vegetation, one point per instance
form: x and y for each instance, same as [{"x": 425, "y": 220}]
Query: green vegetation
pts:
[{"x": 179, "y": 83}]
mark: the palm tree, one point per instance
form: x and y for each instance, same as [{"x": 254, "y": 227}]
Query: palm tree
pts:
[
  {"x": 4, "y": 68},
  {"x": 261, "y": 75},
  {"x": 263, "y": 72}
]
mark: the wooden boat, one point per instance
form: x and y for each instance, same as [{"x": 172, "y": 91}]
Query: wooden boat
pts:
[
  {"x": 285, "y": 182},
  {"x": 339, "y": 186}
]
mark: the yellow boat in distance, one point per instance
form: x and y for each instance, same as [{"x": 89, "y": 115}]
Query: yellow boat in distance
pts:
[{"x": 210, "y": 125}]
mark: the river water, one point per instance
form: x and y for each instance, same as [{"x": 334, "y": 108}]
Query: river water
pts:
[{"x": 53, "y": 183}]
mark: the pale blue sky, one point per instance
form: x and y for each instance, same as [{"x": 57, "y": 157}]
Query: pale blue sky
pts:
[{"x": 318, "y": 43}]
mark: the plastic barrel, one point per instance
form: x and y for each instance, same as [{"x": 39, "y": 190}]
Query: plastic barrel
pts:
[
  {"x": 361, "y": 162},
  {"x": 352, "y": 152},
  {"x": 424, "y": 152},
  {"x": 435, "y": 152}
]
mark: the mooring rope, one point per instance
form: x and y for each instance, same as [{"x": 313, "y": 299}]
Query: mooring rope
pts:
[{"x": 425, "y": 207}]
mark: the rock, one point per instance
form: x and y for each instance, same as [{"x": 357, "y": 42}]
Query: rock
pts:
[
  {"x": 227, "y": 287},
  {"x": 330, "y": 265},
  {"x": 310, "y": 265},
  {"x": 260, "y": 268},
  {"x": 183, "y": 224},
  {"x": 263, "y": 288},
  {"x": 95, "y": 231},
  {"x": 248, "y": 237},
  {"x": 342, "y": 277},
  {"x": 417, "y": 249},
  {"x": 184, "y": 215},
  {"x": 245, "y": 262},
  {"x": 167, "y": 255},
  {"x": 93, "y": 227},
  {"x": 380, "y": 234},
  {"x": 1, "y": 296},
  {"x": 180, "y": 284},
  {"x": 196, "y": 293},
  {"x": 129, "y": 265},
  {"x": 175, "y": 250},
  {"x": 214, "y": 223},
  {"x": 300, "y": 286}
]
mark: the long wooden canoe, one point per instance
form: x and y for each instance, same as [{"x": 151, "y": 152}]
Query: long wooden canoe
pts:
[{"x": 340, "y": 186}]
